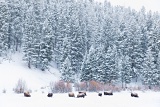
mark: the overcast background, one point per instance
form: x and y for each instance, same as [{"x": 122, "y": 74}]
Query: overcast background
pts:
[{"x": 153, "y": 5}]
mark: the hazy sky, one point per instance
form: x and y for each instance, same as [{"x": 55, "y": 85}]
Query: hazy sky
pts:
[{"x": 153, "y": 5}]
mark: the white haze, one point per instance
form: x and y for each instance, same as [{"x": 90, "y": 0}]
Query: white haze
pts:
[{"x": 137, "y": 4}]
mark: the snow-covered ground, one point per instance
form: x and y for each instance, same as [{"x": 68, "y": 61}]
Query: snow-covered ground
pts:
[
  {"x": 15, "y": 69},
  {"x": 120, "y": 99}
]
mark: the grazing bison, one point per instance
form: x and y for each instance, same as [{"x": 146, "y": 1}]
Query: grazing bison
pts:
[
  {"x": 108, "y": 93},
  {"x": 100, "y": 94},
  {"x": 27, "y": 94},
  {"x": 71, "y": 94},
  {"x": 82, "y": 92},
  {"x": 81, "y": 95},
  {"x": 134, "y": 95},
  {"x": 50, "y": 94}
]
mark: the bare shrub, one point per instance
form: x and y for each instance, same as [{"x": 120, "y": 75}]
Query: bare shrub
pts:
[
  {"x": 81, "y": 86},
  {"x": 156, "y": 88},
  {"x": 68, "y": 87},
  {"x": 95, "y": 86},
  {"x": 4, "y": 90},
  {"x": 112, "y": 87},
  {"x": 60, "y": 87},
  {"x": 20, "y": 86},
  {"x": 89, "y": 86}
]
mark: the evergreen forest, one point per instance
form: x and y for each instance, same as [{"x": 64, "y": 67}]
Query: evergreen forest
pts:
[{"x": 85, "y": 39}]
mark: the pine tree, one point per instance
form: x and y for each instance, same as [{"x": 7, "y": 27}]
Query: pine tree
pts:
[
  {"x": 28, "y": 45},
  {"x": 15, "y": 25},
  {"x": 125, "y": 73},
  {"x": 110, "y": 63},
  {"x": 46, "y": 48},
  {"x": 149, "y": 69},
  {"x": 67, "y": 74},
  {"x": 88, "y": 66},
  {"x": 76, "y": 54},
  {"x": 4, "y": 27}
]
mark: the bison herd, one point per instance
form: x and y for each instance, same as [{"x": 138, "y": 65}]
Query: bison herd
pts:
[
  {"x": 82, "y": 94},
  {"x": 79, "y": 95}
]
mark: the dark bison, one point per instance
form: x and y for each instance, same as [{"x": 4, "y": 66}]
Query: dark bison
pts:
[
  {"x": 100, "y": 94},
  {"x": 82, "y": 92},
  {"x": 108, "y": 93},
  {"x": 50, "y": 94},
  {"x": 71, "y": 94},
  {"x": 81, "y": 95},
  {"x": 27, "y": 94},
  {"x": 134, "y": 95}
]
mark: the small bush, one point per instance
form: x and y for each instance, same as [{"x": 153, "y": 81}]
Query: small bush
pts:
[
  {"x": 60, "y": 87},
  {"x": 80, "y": 86},
  {"x": 95, "y": 86},
  {"x": 89, "y": 86},
  {"x": 20, "y": 86},
  {"x": 68, "y": 87},
  {"x": 112, "y": 87},
  {"x": 83, "y": 86},
  {"x": 4, "y": 90}
]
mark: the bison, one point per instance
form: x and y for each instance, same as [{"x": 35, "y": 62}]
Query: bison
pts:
[
  {"x": 71, "y": 94},
  {"x": 134, "y": 95},
  {"x": 27, "y": 94},
  {"x": 50, "y": 94},
  {"x": 108, "y": 93},
  {"x": 100, "y": 94},
  {"x": 82, "y": 92},
  {"x": 81, "y": 95}
]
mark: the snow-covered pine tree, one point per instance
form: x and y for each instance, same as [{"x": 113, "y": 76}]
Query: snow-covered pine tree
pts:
[
  {"x": 149, "y": 69},
  {"x": 32, "y": 35},
  {"x": 76, "y": 51},
  {"x": 85, "y": 69},
  {"x": 28, "y": 39},
  {"x": 4, "y": 26},
  {"x": 157, "y": 74},
  {"x": 67, "y": 74},
  {"x": 111, "y": 65},
  {"x": 126, "y": 70},
  {"x": 15, "y": 24},
  {"x": 46, "y": 47},
  {"x": 100, "y": 72},
  {"x": 89, "y": 66},
  {"x": 54, "y": 13}
]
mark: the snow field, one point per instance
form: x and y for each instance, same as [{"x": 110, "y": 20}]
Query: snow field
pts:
[{"x": 119, "y": 99}]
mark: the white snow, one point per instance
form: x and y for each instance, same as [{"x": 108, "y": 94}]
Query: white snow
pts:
[
  {"x": 15, "y": 69},
  {"x": 11, "y": 71},
  {"x": 120, "y": 99}
]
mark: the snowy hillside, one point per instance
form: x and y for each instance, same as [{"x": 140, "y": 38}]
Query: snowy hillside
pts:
[{"x": 15, "y": 69}]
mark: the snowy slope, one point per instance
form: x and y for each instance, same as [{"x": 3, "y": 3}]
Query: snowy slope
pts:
[{"x": 15, "y": 69}]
